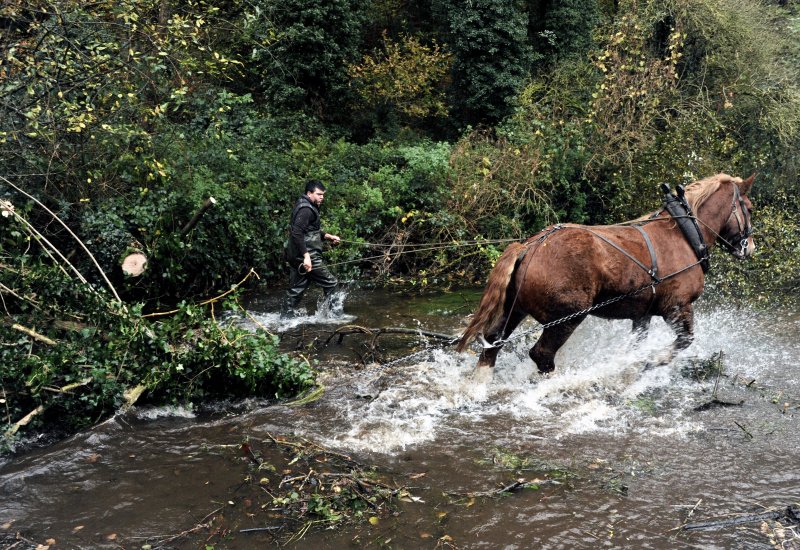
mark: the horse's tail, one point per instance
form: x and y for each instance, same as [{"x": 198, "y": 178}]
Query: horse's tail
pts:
[{"x": 491, "y": 305}]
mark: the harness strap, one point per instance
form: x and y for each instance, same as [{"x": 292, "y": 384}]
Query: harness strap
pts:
[
  {"x": 651, "y": 250},
  {"x": 652, "y": 272}
]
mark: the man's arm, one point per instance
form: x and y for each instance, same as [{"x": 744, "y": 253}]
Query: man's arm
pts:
[{"x": 299, "y": 228}]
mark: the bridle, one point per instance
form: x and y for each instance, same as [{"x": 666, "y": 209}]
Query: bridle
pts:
[{"x": 743, "y": 224}]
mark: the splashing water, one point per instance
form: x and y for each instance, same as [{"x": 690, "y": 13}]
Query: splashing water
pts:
[
  {"x": 328, "y": 313},
  {"x": 601, "y": 384}
]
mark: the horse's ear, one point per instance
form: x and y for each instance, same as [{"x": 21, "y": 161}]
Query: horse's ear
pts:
[{"x": 747, "y": 184}]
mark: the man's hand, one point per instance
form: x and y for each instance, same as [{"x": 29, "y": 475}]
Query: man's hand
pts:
[
  {"x": 333, "y": 238},
  {"x": 307, "y": 261}
]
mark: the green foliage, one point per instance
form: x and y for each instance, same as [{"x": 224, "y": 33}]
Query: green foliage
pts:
[
  {"x": 773, "y": 273},
  {"x": 563, "y": 28},
  {"x": 303, "y": 64},
  {"x": 491, "y": 57},
  {"x": 84, "y": 85},
  {"x": 690, "y": 89},
  {"x": 101, "y": 349},
  {"x": 405, "y": 78}
]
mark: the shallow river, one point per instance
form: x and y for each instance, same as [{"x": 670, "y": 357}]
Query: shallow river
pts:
[{"x": 640, "y": 452}]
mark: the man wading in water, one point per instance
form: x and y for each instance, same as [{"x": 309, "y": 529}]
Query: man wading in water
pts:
[{"x": 304, "y": 250}]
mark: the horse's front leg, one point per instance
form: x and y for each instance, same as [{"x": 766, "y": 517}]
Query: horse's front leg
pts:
[
  {"x": 681, "y": 319},
  {"x": 640, "y": 327}
]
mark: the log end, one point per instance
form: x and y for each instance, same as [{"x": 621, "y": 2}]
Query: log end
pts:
[{"x": 134, "y": 264}]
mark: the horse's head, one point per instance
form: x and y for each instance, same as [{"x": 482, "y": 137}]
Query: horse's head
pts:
[{"x": 737, "y": 232}]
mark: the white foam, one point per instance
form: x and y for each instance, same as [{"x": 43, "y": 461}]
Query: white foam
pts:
[
  {"x": 169, "y": 411},
  {"x": 323, "y": 315},
  {"x": 603, "y": 382}
]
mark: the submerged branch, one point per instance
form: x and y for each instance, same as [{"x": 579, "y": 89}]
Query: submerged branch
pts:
[
  {"x": 375, "y": 332},
  {"x": 517, "y": 485},
  {"x": 790, "y": 514}
]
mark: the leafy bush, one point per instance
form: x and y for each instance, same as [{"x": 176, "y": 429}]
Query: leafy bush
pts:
[
  {"x": 773, "y": 273},
  {"x": 491, "y": 57},
  {"x": 71, "y": 355},
  {"x": 304, "y": 53},
  {"x": 404, "y": 79}
]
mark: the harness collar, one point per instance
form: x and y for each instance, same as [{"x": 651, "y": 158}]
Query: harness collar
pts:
[{"x": 678, "y": 207}]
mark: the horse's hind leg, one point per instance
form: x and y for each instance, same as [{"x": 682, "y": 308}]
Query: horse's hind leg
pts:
[
  {"x": 544, "y": 351},
  {"x": 505, "y": 327}
]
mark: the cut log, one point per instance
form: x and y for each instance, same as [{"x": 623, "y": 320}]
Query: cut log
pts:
[{"x": 134, "y": 264}]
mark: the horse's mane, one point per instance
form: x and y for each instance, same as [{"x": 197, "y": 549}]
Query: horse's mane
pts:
[{"x": 697, "y": 192}]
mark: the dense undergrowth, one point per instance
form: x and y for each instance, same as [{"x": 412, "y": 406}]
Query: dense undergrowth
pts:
[
  {"x": 123, "y": 118},
  {"x": 72, "y": 355}
]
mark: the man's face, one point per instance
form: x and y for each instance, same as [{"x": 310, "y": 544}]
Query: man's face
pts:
[{"x": 316, "y": 196}]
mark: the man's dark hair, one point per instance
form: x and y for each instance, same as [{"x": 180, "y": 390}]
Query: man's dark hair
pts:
[{"x": 313, "y": 185}]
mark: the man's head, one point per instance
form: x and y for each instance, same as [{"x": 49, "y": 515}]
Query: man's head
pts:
[{"x": 315, "y": 191}]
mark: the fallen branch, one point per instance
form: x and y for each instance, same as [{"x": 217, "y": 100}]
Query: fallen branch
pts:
[
  {"x": 23, "y": 421},
  {"x": 210, "y": 201},
  {"x": 33, "y": 334},
  {"x": 161, "y": 540},
  {"x": 210, "y": 300},
  {"x": 69, "y": 387},
  {"x": 37, "y": 236},
  {"x": 4, "y": 288},
  {"x": 790, "y": 514},
  {"x": 716, "y": 402},
  {"x": 312, "y": 395},
  {"x": 744, "y": 430},
  {"x": 80, "y": 242},
  {"x": 132, "y": 395}
]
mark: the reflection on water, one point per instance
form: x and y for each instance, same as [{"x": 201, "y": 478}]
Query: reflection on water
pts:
[{"x": 647, "y": 449}]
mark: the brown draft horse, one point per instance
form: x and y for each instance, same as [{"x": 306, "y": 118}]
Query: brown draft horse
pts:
[{"x": 559, "y": 274}]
